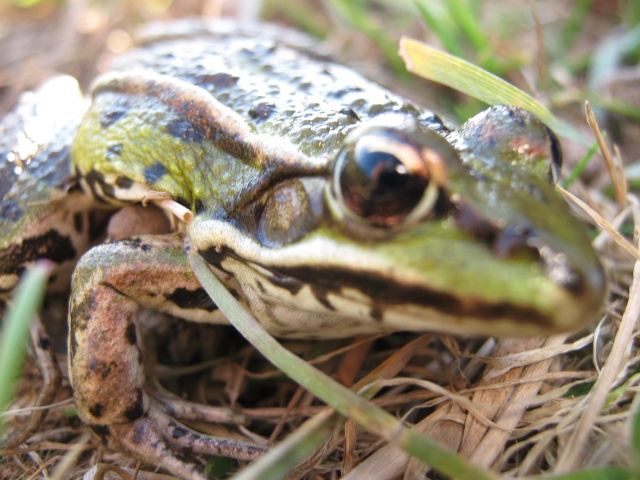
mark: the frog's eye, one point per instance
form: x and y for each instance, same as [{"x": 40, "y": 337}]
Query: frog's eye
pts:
[{"x": 383, "y": 177}]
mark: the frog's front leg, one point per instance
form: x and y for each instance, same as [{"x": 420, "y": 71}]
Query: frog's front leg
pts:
[{"x": 111, "y": 284}]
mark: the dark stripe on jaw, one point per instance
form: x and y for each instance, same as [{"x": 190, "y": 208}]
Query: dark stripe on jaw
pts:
[
  {"x": 333, "y": 279},
  {"x": 94, "y": 178}
]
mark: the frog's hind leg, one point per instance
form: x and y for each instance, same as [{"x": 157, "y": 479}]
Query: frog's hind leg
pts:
[{"x": 110, "y": 285}]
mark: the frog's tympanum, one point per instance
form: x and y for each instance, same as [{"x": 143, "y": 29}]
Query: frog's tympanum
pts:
[{"x": 328, "y": 205}]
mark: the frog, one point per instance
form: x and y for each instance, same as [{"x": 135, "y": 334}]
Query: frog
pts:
[{"x": 328, "y": 205}]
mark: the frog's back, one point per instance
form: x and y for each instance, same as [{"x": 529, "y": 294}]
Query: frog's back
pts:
[
  {"x": 225, "y": 106},
  {"x": 271, "y": 77}
]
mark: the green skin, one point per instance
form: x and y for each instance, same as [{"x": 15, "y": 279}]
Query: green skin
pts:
[{"x": 246, "y": 137}]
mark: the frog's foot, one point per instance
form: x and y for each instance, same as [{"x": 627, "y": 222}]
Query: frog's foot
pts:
[
  {"x": 110, "y": 285},
  {"x": 157, "y": 439}
]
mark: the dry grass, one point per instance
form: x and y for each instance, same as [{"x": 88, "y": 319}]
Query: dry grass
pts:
[{"x": 520, "y": 407}]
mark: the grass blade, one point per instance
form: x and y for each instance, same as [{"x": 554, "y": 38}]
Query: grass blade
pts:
[
  {"x": 14, "y": 336},
  {"x": 461, "y": 75}
]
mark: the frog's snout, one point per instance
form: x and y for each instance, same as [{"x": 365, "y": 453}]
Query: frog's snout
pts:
[{"x": 581, "y": 276}]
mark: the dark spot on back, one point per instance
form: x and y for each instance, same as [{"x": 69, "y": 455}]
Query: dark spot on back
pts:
[
  {"x": 199, "y": 206},
  {"x": 218, "y": 80},
  {"x": 376, "y": 109},
  {"x": 56, "y": 164},
  {"x": 10, "y": 210},
  {"x": 343, "y": 91},
  {"x": 114, "y": 151},
  {"x": 154, "y": 172},
  {"x": 350, "y": 113},
  {"x": 184, "y": 130},
  {"x": 261, "y": 111},
  {"x": 109, "y": 117}
]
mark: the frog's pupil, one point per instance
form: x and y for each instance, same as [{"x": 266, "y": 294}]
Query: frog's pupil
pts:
[
  {"x": 378, "y": 186},
  {"x": 383, "y": 171}
]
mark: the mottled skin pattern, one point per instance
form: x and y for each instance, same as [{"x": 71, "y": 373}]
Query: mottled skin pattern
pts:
[
  {"x": 255, "y": 136},
  {"x": 37, "y": 189}
]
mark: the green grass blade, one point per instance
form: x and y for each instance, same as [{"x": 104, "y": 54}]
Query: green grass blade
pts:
[
  {"x": 441, "y": 25},
  {"x": 358, "y": 17},
  {"x": 465, "y": 77},
  {"x": 635, "y": 435},
  {"x": 348, "y": 403},
  {"x": 573, "y": 24},
  {"x": 15, "y": 332},
  {"x": 580, "y": 166},
  {"x": 473, "y": 31},
  {"x": 610, "y": 473},
  {"x": 288, "y": 454}
]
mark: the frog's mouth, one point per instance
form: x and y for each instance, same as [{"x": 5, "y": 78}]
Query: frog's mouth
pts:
[{"x": 391, "y": 302}]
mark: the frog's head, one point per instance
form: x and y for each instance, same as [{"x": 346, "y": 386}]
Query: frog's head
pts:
[{"x": 414, "y": 229}]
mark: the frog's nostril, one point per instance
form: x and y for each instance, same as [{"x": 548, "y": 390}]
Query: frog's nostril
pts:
[
  {"x": 573, "y": 281},
  {"x": 512, "y": 239}
]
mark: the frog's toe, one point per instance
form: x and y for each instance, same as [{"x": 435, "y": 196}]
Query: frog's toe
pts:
[
  {"x": 183, "y": 439},
  {"x": 157, "y": 439}
]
